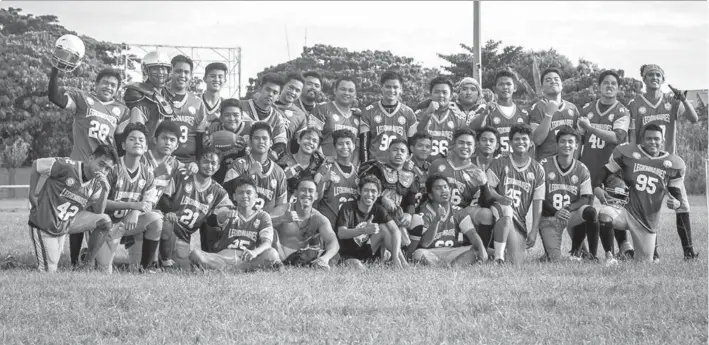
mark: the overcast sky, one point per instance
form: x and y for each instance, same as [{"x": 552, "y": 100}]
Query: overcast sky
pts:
[{"x": 623, "y": 35}]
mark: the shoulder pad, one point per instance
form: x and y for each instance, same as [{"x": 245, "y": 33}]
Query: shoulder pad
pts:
[
  {"x": 676, "y": 162},
  {"x": 406, "y": 178},
  {"x": 369, "y": 107},
  {"x": 133, "y": 94}
]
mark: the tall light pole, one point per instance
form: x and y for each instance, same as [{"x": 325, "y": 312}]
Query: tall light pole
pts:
[{"x": 477, "y": 61}]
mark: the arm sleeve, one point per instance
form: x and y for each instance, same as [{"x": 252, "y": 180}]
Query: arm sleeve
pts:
[
  {"x": 540, "y": 189},
  {"x": 266, "y": 231},
  {"x": 585, "y": 188}
]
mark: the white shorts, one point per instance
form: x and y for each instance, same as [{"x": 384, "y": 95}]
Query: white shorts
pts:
[{"x": 643, "y": 240}]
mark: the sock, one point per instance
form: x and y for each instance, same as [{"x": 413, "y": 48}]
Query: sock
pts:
[
  {"x": 578, "y": 233},
  {"x": 75, "y": 242},
  {"x": 500, "y": 250},
  {"x": 592, "y": 234},
  {"x": 135, "y": 251},
  {"x": 621, "y": 237},
  {"x": 684, "y": 230},
  {"x": 606, "y": 233},
  {"x": 149, "y": 248}
]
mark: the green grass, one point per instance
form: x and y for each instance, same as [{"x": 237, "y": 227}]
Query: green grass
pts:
[{"x": 561, "y": 303}]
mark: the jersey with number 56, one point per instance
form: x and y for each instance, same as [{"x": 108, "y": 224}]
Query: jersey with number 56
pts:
[
  {"x": 94, "y": 122},
  {"x": 191, "y": 116},
  {"x": 63, "y": 195},
  {"x": 465, "y": 181},
  {"x": 125, "y": 188},
  {"x": 244, "y": 233},
  {"x": 191, "y": 204},
  {"x": 503, "y": 122},
  {"x": 564, "y": 188},
  {"x": 270, "y": 185},
  {"x": 441, "y": 129},
  {"x": 385, "y": 127},
  {"x": 596, "y": 151},
  {"x": 648, "y": 178}
]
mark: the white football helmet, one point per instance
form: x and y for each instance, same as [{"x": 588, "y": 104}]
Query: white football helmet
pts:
[
  {"x": 155, "y": 58},
  {"x": 68, "y": 52}
]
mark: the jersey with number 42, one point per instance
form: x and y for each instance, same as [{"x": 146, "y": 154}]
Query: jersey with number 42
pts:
[
  {"x": 648, "y": 178},
  {"x": 564, "y": 188},
  {"x": 192, "y": 204}
]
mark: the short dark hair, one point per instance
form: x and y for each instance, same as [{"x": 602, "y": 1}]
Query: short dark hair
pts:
[
  {"x": 168, "y": 126},
  {"x": 370, "y": 179},
  {"x": 272, "y": 78},
  {"x": 182, "y": 58},
  {"x": 244, "y": 180},
  {"x": 653, "y": 127},
  {"x": 604, "y": 74},
  {"x": 261, "y": 126},
  {"x": 490, "y": 129},
  {"x": 103, "y": 150},
  {"x": 567, "y": 130},
  {"x": 440, "y": 80},
  {"x": 208, "y": 151},
  {"x": 398, "y": 140},
  {"x": 230, "y": 102},
  {"x": 310, "y": 130},
  {"x": 505, "y": 73},
  {"x": 432, "y": 179},
  {"x": 293, "y": 76},
  {"x": 218, "y": 66},
  {"x": 521, "y": 128},
  {"x": 132, "y": 127},
  {"x": 342, "y": 79},
  {"x": 463, "y": 131},
  {"x": 343, "y": 133},
  {"x": 312, "y": 74},
  {"x": 304, "y": 179},
  {"x": 109, "y": 72},
  {"x": 414, "y": 139},
  {"x": 390, "y": 75},
  {"x": 549, "y": 70}
]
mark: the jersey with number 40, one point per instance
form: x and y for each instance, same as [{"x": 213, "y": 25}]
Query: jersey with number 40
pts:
[
  {"x": 596, "y": 151},
  {"x": 192, "y": 205},
  {"x": 385, "y": 127},
  {"x": 564, "y": 188}
]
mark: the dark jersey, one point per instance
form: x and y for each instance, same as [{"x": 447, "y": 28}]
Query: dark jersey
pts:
[
  {"x": 503, "y": 122},
  {"x": 334, "y": 119},
  {"x": 336, "y": 188},
  {"x": 450, "y": 230},
  {"x": 212, "y": 112},
  {"x": 191, "y": 116},
  {"x": 245, "y": 233},
  {"x": 441, "y": 128},
  {"x": 270, "y": 184},
  {"x": 163, "y": 172},
  {"x": 295, "y": 120},
  {"x": 401, "y": 186},
  {"x": 192, "y": 205},
  {"x": 664, "y": 113},
  {"x": 566, "y": 115},
  {"x": 228, "y": 155},
  {"x": 465, "y": 186},
  {"x": 351, "y": 217},
  {"x": 385, "y": 127},
  {"x": 294, "y": 172},
  {"x": 125, "y": 188},
  {"x": 564, "y": 188},
  {"x": 595, "y": 151},
  {"x": 273, "y": 119}
]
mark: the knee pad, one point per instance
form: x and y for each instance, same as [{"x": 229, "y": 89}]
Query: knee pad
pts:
[
  {"x": 506, "y": 211},
  {"x": 418, "y": 255},
  {"x": 589, "y": 214}
]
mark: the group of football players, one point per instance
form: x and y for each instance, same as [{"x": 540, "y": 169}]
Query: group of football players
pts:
[{"x": 280, "y": 179}]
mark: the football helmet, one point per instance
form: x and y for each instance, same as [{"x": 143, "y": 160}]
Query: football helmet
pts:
[
  {"x": 617, "y": 190},
  {"x": 68, "y": 52},
  {"x": 155, "y": 58}
]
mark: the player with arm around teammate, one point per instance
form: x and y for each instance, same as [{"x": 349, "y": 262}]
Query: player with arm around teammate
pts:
[
  {"x": 337, "y": 181},
  {"x": 246, "y": 235},
  {"x": 62, "y": 205},
  {"x": 436, "y": 236}
]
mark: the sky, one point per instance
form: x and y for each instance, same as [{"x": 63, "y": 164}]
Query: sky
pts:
[{"x": 621, "y": 35}]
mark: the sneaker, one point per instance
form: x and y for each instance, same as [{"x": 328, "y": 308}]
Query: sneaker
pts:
[
  {"x": 83, "y": 253},
  {"x": 656, "y": 260},
  {"x": 167, "y": 263},
  {"x": 610, "y": 260},
  {"x": 500, "y": 261},
  {"x": 689, "y": 254},
  {"x": 575, "y": 258}
]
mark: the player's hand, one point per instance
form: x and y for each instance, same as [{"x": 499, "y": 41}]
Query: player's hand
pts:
[
  {"x": 678, "y": 93},
  {"x": 131, "y": 220},
  {"x": 142, "y": 206},
  {"x": 103, "y": 180},
  {"x": 247, "y": 255},
  {"x": 405, "y": 220},
  {"x": 388, "y": 204},
  {"x": 273, "y": 155},
  {"x": 505, "y": 200},
  {"x": 207, "y": 140},
  {"x": 405, "y": 239},
  {"x": 479, "y": 175},
  {"x": 320, "y": 263},
  {"x": 192, "y": 168},
  {"x": 601, "y": 194},
  {"x": 563, "y": 214},
  {"x": 370, "y": 228},
  {"x": 673, "y": 203},
  {"x": 356, "y": 111},
  {"x": 584, "y": 122},
  {"x": 171, "y": 217},
  {"x": 441, "y": 212},
  {"x": 240, "y": 143},
  {"x": 549, "y": 107},
  {"x": 255, "y": 168},
  {"x": 433, "y": 106},
  {"x": 531, "y": 239}
]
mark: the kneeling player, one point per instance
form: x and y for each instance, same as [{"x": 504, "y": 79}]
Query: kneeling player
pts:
[
  {"x": 61, "y": 206},
  {"x": 435, "y": 230},
  {"x": 247, "y": 235}
]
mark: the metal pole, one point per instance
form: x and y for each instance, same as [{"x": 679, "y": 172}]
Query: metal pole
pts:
[{"x": 477, "y": 66}]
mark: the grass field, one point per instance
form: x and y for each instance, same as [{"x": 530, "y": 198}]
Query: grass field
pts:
[{"x": 561, "y": 303}]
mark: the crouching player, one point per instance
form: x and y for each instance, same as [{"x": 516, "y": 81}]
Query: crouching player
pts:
[
  {"x": 435, "y": 230},
  {"x": 130, "y": 203},
  {"x": 651, "y": 174},
  {"x": 246, "y": 235},
  {"x": 191, "y": 201},
  {"x": 61, "y": 207}
]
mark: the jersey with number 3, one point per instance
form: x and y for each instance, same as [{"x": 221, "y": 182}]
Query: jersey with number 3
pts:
[
  {"x": 503, "y": 123},
  {"x": 596, "y": 151},
  {"x": 63, "y": 195},
  {"x": 130, "y": 189},
  {"x": 191, "y": 116},
  {"x": 270, "y": 185},
  {"x": 564, "y": 188},
  {"x": 244, "y": 233},
  {"x": 441, "y": 129},
  {"x": 94, "y": 122},
  {"x": 192, "y": 205},
  {"x": 465, "y": 187},
  {"x": 648, "y": 178},
  {"x": 385, "y": 127}
]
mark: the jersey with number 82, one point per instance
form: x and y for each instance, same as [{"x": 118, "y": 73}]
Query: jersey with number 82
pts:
[
  {"x": 191, "y": 204},
  {"x": 564, "y": 188}
]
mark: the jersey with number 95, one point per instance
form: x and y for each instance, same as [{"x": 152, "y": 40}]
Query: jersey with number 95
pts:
[{"x": 191, "y": 204}]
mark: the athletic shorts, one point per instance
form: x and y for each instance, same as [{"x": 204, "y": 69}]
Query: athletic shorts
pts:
[
  {"x": 442, "y": 254},
  {"x": 643, "y": 240}
]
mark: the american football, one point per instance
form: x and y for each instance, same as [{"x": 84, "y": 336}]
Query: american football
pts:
[{"x": 224, "y": 139}]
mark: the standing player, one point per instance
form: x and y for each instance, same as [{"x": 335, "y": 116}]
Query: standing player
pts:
[
  {"x": 385, "y": 120},
  {"x": 191, "y": 201},
  {"x": 338, "y": 114},
  {"x": 96, "y": 116},
  {"x": 437, "y": 235},
  {"x": 215, "y": 75},
  {"x": 269, "y": 177},
  {"x": 304, "y": 163},
  {"x": 518, "y": 181},
  {"x": 337, "y": 181},
  {"x": 653, "y": 107},
  {"x": 246, "y": 235},
  {"x": 309, "y": 96},
  {"x": 503, "y": 114},
  {"x": 294, "y": 118},
  {"x": 470, "y": 98},
  {"x": 441, "y": 118},
  {"x": 486, "y": 148},
  {"x": 651, "y": 174},
  {"x": 549, "y": 114},
  {"x": 261, "y": 108},
  {"x": 61, "y": 207}
]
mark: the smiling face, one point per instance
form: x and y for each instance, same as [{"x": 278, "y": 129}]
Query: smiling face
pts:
[
  {"x": 106, "y": 88},
  {"x": 391, "y": 90},
  {"x": 209, "y": 164},
  {"x": 215, "y": 79},
  {"x": 653, "y": 80},
  {"x": 464, "y": 146},
  {"x": 309, "y": 142},
  {"x": 345, "y": 92},
  {"x": 368, "y": 194},
  {"x": 567, "y": 145},
  {"x": 245, "y": 196},
  {"x": 551, "y": 84},
  {"x": 505, "y": 87},
  {"x": 441, "y": 93},
  {"x": 344, "y": 147},
  {"x": 520, "y": 142},
  {"x": 230, "y": 118},
  {"x": 135, "y": 143},
  {"x": 653, "y": 142},
  {"x": 291, "y": 91},
  {"x": 181, "y": 74},
  {"x": 307, "y": 193},
  {"x": 311, "y": 88}
]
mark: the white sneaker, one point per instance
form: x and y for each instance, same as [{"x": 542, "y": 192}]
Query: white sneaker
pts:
[{"x": 610, "y": 260}]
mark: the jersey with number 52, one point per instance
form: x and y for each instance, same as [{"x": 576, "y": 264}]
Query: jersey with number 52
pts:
[
  {"x": 648, "y": 178},
  {"x": 441, "y": 129},
  {"x": 94, "y": 122},
  {"x": 63, "y": 195},
  {"x": 270, "y": 185},
  {"x": 564, "y": 188},
  {"x": 191, "y": 204},
  {"x": 503, "y": 123},
  {"x": 385, "y": 127},
  {"x": 191, "y": 116}
]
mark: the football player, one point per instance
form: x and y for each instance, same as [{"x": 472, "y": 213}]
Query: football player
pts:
[
  {"x": 215, "y": 75},
  {"x": 518, "y": 182},
  {"x": 303, "y": 231},
  {"x": 337, "y": 181},
  {"x": 436, "y": 232},
  {"x": 420, "y": 147},
  {"x": 246, "y": 235},
  {"x": 130, "y": 203},
  {"x": 568, "y": 201},
  {"x": 294, "y": 118},
  {"x": 96, "y": 117},
  {"x": 660, "y": 109},
  {"x": 305, "y": 163},
  {"x": 190, "y": 202},
  {"x": 551, "y": 113},
  {"x": 311, "y": 89},
  {"x": 62, "y": 205},
  {"x": 486, "y": 148},
  {"x": 361, "y": 224},
  {"x": 651, "y": 174},
  {"x": 441, "y": 118},
  {"x": 269, "y": 177},
  {"x": 261, "y": 108},
  {"x": 504, "y": 113},
  {"x": 232, "y": 120},
  {"x": 338, "y": 114},
  {"x": 385, "y": 120},
  {"x": 470, "y": 99}
]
